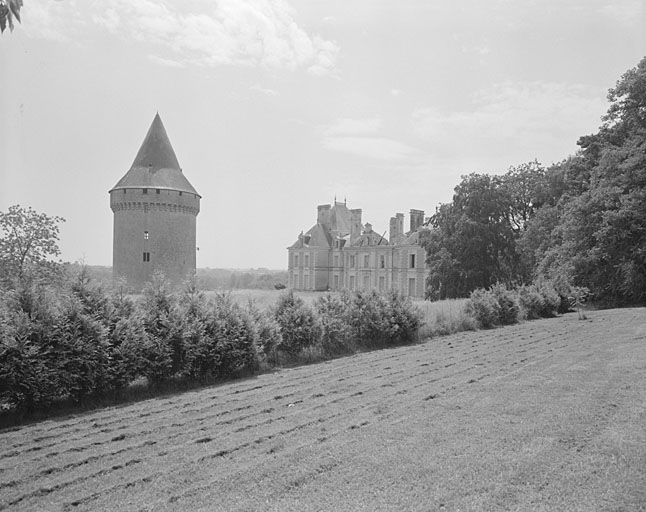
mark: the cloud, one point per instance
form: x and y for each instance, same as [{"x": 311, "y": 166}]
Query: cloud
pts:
[
  {"x": 263, "y": 90},
  {"x": 229, "y": 32},
  {"x": 380, "y": 148},
  {"x": 361, "y": 137},
  {"x": 347, "y": 126},
  {"x": 165, "y": 62},
  {"x": 628, "y": 12},
  {"x": 54, "y": 21},
  {"x": 519, "y": 120}
]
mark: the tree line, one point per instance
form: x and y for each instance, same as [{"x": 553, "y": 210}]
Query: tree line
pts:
[{"x": 580, "y": 222}]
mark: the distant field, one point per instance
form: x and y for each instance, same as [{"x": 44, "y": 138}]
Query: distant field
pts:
[{"x": 545, "y": 415}]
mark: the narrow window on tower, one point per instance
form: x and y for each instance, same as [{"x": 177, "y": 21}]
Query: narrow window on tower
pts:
[
  {"x": 146, "y": 235},
  {"x": 146, "y": 257},
  {"x": 158, "y": 191},
  {"x": 180, "y": 192},
  {"x": 145, "y": 191}
]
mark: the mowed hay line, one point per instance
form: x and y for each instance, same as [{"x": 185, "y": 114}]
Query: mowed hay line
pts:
[{"x": 547, "y": 415}]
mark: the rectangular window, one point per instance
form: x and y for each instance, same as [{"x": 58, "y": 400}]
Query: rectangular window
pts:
[
  {"x": 366, "y": 282},
  {"x": 336, "y": 260},
  {"x": 146, "y": 257},
  {"x": 307, "y": 282},
  {"x": 351, "y": 282},
  {"x": 366, "y": 260},
  {"x": 145, "y": 191},
  {"x": 295, "y": 260},
  {"x": 180, "y": 193},
  {"x": 382, "y": 283},
  {"x": 158, "y": 191},
  {"x": 307, "y": 261},
  {"x": 351, "y": 261},
  {"x": 124, "y": 190},
  {"x": 382, "y": 261},
  {"x": 336, "y": 282},
  {"x": 412, "y": 261},
  {"x": 146, "y": 235}
]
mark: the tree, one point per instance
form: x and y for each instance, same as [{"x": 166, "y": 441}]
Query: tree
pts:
[
  {"x": 28, "y": 242},
  {"x": 523, "y": 185},
  {"x": 600, "y": 229},
  {"x": 473, "y": 243},
  {"x": 9, "y": 9}
]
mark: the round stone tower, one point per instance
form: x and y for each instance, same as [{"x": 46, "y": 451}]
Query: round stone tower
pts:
[{"x": 155, "y": 212}]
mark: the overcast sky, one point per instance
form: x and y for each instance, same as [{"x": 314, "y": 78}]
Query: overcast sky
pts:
[{"x": 274, "y": 107}]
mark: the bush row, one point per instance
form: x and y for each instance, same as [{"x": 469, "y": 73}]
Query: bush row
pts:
[
  {"x": 81, "y": 342},
  {"x": 500, "y": 305}
]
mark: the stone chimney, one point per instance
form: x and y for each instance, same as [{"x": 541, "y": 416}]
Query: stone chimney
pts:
[
  {"x": 396, "y": 227},
  {"x": 416, "y": 219},
  {"x": 355, "y": 222},
  {"x": 323, "y": 216}
]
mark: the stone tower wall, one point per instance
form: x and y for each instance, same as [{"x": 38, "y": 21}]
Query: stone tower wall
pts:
[{"x": 170, "y": 222}]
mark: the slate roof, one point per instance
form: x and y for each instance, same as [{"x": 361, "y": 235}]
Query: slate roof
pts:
[
  {"x": 369, "y": 239},
  {"x": 340, "y": 218},
  {"x": 156, "y": 165}
]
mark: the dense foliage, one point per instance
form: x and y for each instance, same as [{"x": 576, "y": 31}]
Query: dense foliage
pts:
[
  {"x": 581, "y": 221},
  {"x": 76, "y": 341}
]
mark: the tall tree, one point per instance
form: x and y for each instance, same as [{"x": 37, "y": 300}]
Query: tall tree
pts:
[
  {"x": 601, "y": 230},
  {"x": 473, "y": 243}
]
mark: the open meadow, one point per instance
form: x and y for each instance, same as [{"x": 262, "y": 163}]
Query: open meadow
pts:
[{"x": 544, "y": 415}]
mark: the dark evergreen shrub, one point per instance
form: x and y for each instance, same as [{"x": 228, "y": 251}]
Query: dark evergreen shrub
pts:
[
  {"x": 334, "y": 312},
  {"x": 299, "y": 325},
  {"x": 220, "y": 341},
  {"x": 29, "y": 376}
]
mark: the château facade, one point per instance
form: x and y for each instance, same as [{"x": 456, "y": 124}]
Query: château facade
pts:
[
  {"x": 339, "y": 252},
  {"x": 155, "y": 211}
]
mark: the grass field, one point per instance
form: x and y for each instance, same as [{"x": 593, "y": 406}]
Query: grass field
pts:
[{"x": 545, "y": 415}]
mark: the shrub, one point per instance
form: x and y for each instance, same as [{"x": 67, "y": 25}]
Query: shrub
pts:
[
  {"x": 29, "y": 377},
  {"x": 162, "y": 346},
  {"x": 80, "y": 345},
  {"x": 268, "y": 336},
  {"x": 484, "y": 307},
  {"x": 404, "y": 318},
  {"x": 539, "y": 300},
  {"x": 509, "y": 311},
  {"x": 220, "y": 340},
  {"x": 299, "y": 326},
  {"x": 336, "y": 329},
  {"x": 383, "y": 319}
]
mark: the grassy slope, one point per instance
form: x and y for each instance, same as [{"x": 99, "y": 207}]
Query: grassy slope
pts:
[{"x": 547, "y": 415}]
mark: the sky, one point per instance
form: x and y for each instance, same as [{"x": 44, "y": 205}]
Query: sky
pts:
[{"x": 274, "y": 107}]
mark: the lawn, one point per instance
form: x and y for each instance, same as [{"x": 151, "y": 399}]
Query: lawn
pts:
[{"x": 545, "y": 415}]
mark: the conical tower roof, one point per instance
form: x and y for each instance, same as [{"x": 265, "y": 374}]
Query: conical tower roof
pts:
[{"x": 156, "y": 165}]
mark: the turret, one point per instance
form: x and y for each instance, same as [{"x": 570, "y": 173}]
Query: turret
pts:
[{"x": 155, "y": 209}]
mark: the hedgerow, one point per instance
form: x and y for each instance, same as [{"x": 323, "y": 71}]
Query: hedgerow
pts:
[{"x": 81, "y": 343}]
